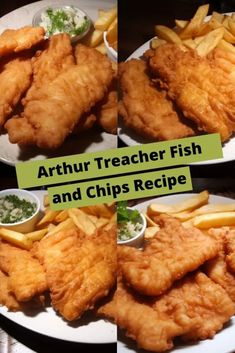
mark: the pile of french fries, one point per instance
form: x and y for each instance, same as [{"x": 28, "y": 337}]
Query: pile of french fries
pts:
[
  {"x": 88, "y": 219},
  {"x": 199, "y": 33},
  {"x": 107, "y": 21},
  {"x": 193, "y": 212}
]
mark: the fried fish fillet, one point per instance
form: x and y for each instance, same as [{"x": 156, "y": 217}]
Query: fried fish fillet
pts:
[
  {"x": 145, "y": 109},
  {"x": 204, "y": 92},
  {"x": 16, "y": 40},
  {"x": 195, "y": 308},
  {"x": 168, "y": 256},
  {"x": 230, "y": 250},
  {"x": 51, "y": 115},
  {"x": 56, "y": 57},
  {"x": 15, "y": 79},
  {"x": 141, "y": 322},
  {"x": 225, "y": 60},
  {"x": 217, "y": 268},
  {"x": 6, "y": 296},
  {"x": 27, "y": 278},
  {"x": 107, "y": 112},
  {"x": 79, "y": 270}
]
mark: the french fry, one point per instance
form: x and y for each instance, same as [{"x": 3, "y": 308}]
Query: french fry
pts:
[
  {"x": 210, "y": 208},
  {"x": 218, "y": 16},
  {"x": 61, "y": 216},
  {"x": 226, "y": 46},
  {"x": 190, "y": 204},
  {"x": 93, "y": 39},
  {"x": 105, "y": 19},
  {"x": 47, "y": 218},
  {"x": 82, "y": 221},
  {"x": 150, "y": 222},
  {"x": 100, "y": 210},
  {"x": 181, "y": 23},
  {"x": 198, "y": 40},
  {"x": 231, "y": 25},
  {"x": 37, "y": 235},
  {"x": 190, "y": 43},
  {"x": 112, "y": 222},
  {"x": 192, "y": 27},
  {"x": 225, "y": 21},
  {"x": 46, "y": 200},
  {"x": 214, "y": 220},
  {"x": 65, "y": 225},
  {"x": 101, "y": 222},
  {"x": 101, "y": 48},
  {"x": 112, "y": 32},
  {"x": 151, "y": 231},
  {"x": 168, "y": 34},
  {"x": 228, "y": 36},
  {"x": 50, "y": 227},
  {"x": 16, "y": 238},
  {"x": 210, "y": 41},
  {"x": 156, "y": 42}
]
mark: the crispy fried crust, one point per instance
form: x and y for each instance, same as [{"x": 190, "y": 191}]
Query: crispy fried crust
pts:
[
  {"x": 6, "y": 296},
  {"x": 57, "y": 107},
  {"x": 203, "y": 91},
  {"x": 26, "y": 276},
  {"x": 16, "y": 40},
  {"x": 79, "y": 270},
  {"x": 164, "y": 260},
  {"x": 15, "y": 79},
  {"x": 145, "y": 109}
]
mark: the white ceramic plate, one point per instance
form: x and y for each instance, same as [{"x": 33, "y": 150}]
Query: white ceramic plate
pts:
[
  {"x": 86, "y": 142},
  {"x": 88, "y": 329},
  {"x": 224, "y": 341},
  {"x": 130, "y": 138}
]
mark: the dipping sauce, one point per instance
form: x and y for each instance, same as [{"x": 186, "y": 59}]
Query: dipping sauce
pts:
[
  {"x": 13, "y": 209},
  {"x": 67, "y": 19},
  {"x": 129, "y": 222}
]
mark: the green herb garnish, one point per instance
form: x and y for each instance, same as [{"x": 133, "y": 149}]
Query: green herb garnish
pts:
[
  {"x": 125, "y": 215},
  {"x": 13, "y": 209}
]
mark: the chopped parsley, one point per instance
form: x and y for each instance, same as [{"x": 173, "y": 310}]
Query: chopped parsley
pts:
[
  {"x": 13, "y": 209},
  {"x": 68, "y": 19}
]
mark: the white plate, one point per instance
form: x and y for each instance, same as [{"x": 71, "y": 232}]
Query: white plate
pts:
[
  {"x": 88, "y": 329},
  {"x": 224, "y": 341},
  {"x": 86, "y": 142},
  {"x": 130, "y": 138}
]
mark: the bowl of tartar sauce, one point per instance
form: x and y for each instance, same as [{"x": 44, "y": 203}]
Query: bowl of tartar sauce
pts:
[{"x": 57, "y": 19}]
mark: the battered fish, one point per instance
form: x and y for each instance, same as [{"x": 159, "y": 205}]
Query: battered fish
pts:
[
  {"x": 195, "y": 308},
  {"x": 80, "y": 270},
  {"x": 57, "y": 107},
  {"x": 217, "y": 268},
  {"x": 16, "y": 40},
  {"x": 230, "y": 250},
  {"x": 15, "y": 79},
  {"x": 145, "y": 109},
  {"x": 26, "y": 276},
  {"x": 204, "y": 92},
  {"x": 168, "y": 256},
  {"x": 6, "y": 296},
  {"x": 49, "y": 63}
]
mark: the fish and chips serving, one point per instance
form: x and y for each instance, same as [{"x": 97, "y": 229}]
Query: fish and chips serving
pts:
[
  {"x": 51, "y": 88},
  {"x": 70, "y": 256},
  {"x": 181, "y": 282},
  {"x": 184, "y": 84}
]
